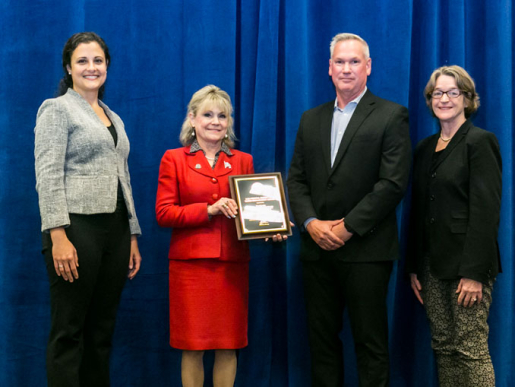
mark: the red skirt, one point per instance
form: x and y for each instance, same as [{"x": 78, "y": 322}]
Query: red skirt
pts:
[{"x": 208, "y": 304}]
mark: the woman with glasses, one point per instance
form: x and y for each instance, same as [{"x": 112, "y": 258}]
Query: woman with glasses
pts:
[{"x": 453, "y": 257}]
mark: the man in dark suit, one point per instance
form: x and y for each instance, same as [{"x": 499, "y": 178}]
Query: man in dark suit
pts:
[{"x": 349, "y": 171}]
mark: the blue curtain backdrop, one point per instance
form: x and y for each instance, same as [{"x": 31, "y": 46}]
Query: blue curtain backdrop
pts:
[{"x": 271, "y": 56}]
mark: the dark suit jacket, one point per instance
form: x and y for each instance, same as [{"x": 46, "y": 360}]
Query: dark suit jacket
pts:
[
  {"x": 365, "y": 184},
  {"x": 456, "y": 205},
  {"x": 187, "y": 185}
]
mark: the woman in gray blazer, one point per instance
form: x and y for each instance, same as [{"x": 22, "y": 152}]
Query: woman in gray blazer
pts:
[
  {"x": 87, "y": 211},
  {"x": 453, "y": 255}
]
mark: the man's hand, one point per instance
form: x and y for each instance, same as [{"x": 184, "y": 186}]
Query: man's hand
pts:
[
  {"x": 322, "y": 234},
  {"x": 341, "y": 232}
]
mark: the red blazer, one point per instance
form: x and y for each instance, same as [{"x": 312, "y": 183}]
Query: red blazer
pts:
[{"x": 187, "y": 185}]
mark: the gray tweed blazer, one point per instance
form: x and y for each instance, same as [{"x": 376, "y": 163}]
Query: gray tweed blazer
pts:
[{"x": 77, "y": 164}]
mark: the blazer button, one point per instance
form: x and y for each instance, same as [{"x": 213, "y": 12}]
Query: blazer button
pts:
[
  {"x": 214, "y": 196},
  {"x": 432, "y": 220},
  {"x": 330, "y": 185},
  {"x": 432, "y": 197},
  {"x": 214, "y": 181},
  {"x": 433, "y": 175}
]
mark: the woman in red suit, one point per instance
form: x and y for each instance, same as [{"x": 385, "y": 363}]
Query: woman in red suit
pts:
[{"x": 208, "y": 266}]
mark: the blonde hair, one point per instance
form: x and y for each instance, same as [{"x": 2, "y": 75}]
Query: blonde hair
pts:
[
  {"x": 347, "y": 36},
  {"x": 208, "y": 96},
  {"x": 464, "y": 82}
]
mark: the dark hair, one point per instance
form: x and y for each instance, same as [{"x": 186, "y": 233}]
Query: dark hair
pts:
[{"x": 70, "y": 46}]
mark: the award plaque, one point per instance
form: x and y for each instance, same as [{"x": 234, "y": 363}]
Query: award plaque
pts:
[{"x": 262, "y": 209}]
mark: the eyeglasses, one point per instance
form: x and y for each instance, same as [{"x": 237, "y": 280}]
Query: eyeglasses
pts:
[{"x": 453, "y": 93}]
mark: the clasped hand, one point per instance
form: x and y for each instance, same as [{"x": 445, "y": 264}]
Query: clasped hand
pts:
[{"x": 328, "y": 234}]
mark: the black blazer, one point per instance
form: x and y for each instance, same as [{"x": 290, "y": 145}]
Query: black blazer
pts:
[
  {"x": 456, "y": 205},
  {"x": 365, "y": 184}
]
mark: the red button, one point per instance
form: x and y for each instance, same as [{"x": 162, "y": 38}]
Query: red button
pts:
[
  {"x": 214, "y": 196},
  {"x": 214, "y": 181}
]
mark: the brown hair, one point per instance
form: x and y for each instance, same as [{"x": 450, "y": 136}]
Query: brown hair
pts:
[
  {"x": 71, "y": 44},
  {"x": 464, "y": 82}
]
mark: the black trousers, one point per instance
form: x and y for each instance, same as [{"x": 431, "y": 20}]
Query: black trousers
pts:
[
  {"x": 330, "y": 286},
  {"x": 83, "y": 313}
]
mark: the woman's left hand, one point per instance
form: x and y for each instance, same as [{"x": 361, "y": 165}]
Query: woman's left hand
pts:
[
  {"x": 279, "y": 237},
  {"x": 135, "y": 259},
  {"x": 470, "y": 292}
]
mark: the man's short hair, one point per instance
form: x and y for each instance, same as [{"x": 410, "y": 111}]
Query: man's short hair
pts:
[{"x": 347, "y": 36}]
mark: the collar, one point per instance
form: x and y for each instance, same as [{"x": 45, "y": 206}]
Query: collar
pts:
[
  {"x": 73, "y": 94},
  {"x": 355, "y": 100},
  {"x": 195, "y": 147}
]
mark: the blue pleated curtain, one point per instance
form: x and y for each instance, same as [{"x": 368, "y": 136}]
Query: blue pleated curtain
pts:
[{"x": 271, "y": 56}]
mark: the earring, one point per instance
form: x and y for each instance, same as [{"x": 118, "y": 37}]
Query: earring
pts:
[
  {"x": 193, "y": 132},
  {"x": 69, "y": 73},
  {"x": 226, "y": 136}
]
